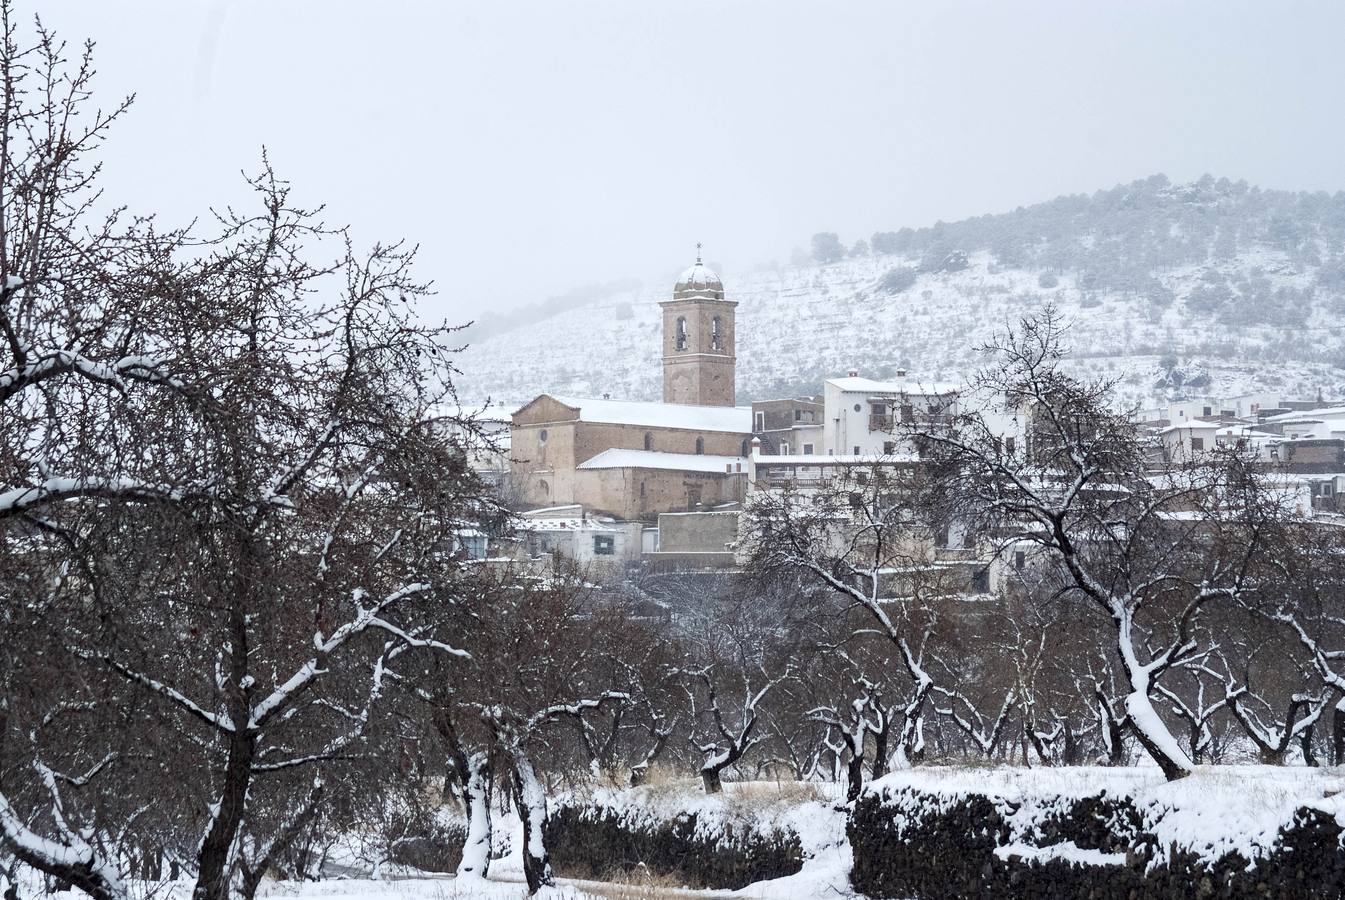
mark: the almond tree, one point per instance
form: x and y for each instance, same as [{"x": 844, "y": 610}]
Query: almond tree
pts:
[
  {"x": 859, "y": 543},
  {"x": 1149, "y": 550}
]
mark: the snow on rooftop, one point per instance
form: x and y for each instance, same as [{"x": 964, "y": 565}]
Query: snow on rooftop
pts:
[
  {"x": 839, "y": 459},
  {"x": 736, "y": 419},
  {"x": 699, "y": 275},
  {"x": 657, "y": 459},
  {"x": 856, "y": 384}
]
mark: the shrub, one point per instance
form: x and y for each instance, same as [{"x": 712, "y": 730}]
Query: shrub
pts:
[{"x": 894, "y": 281}]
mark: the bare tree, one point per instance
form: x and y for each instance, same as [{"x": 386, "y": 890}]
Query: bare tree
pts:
[{"x": 1149, "y": 551}]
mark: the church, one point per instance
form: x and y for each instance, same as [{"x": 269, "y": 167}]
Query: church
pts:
[{"x": 632, "y": 459}]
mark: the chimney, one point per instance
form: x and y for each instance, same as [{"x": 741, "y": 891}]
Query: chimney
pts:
[
  {"x": 901, "y": 373},
  {"x": 853, "y": 373}
]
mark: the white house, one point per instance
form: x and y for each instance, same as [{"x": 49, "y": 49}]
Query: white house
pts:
[{"x": 859, "y": 414}]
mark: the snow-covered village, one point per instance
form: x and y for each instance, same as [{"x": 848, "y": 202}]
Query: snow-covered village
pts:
[{"x": 699, "y": 450}]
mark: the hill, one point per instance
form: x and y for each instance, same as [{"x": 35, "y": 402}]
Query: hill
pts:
[{"x": 1210, "y": 287}]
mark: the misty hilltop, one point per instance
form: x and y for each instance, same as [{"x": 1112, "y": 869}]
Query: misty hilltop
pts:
[{"x": 1213, "y": 287}]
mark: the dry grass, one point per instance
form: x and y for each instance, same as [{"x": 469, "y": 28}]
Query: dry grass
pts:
[{"x": 640, "y": 884}]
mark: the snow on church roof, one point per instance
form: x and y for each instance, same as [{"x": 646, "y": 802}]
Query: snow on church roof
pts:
[
  {"x": 736, "y": 419},
  {"x": 656, "y": 459},
  {"x": 699, "y": 275}
]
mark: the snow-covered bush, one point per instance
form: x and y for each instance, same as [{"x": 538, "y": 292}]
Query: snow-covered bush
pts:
[
  {"x": 1101, "y": 834},
  {"x": 705, "y": 842}
]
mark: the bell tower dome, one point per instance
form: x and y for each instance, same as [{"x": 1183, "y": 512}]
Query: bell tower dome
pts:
[{"x": 698, "y": 340}]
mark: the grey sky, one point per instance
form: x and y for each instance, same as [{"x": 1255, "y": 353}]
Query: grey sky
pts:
[{"x": 532, "y": 147}]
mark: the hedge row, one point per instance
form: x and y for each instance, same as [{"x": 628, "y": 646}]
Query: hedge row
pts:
[
  {"x": 591, "y": 841},
  {"x": 439, "y": 849},
  {"x": 918, "y": 846}
]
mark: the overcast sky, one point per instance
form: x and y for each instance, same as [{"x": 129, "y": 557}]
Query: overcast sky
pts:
[{"x": 533, "y": 147}]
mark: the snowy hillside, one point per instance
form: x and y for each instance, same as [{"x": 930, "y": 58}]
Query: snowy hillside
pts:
[{"x": 1210, "y": 288}]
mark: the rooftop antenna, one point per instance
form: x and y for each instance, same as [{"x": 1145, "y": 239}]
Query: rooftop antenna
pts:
[{"x": 698, "y": 253}]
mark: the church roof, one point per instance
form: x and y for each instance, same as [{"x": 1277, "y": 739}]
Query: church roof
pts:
[
  {"x": 735, "y": 419},
  {"x": 699, "y": 281},
  {"x": 656, "y": 459}
]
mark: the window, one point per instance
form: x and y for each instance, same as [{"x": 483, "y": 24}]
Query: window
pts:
[
  {"x": 856, "y": 500},
  {"x": 807, "y": 449},
  {"x": 907, "y": 412},
  {"x": 859, "y": 408},
  {"x": 856, "y": 449},
  {"x": 862, "y": 477},
  {"x": 648, "y": 441},
  {"x": 798, "y": 415},
  {"x": 1008, "y": 445},
  {"x": 761, "y": 421},
  {"x": 784, "y": 448},
  {"x": 604, "y": 545},
  {"x": 745, "y": 448},
  {"x": 1208, "y": 411},
  {"x": 541, "y": 435},
  {"x": 980, "y": 581},
  {"x": 681, "y": 333},
  {"x": 716, "y": 335},
  {"x": 1019, "y": 560},
  {"x": 880, "y": 409},
  {"x": 700, "y": 446},
  {"x": 1197, "y": 443},
  {"x": 889, "y": 447}
]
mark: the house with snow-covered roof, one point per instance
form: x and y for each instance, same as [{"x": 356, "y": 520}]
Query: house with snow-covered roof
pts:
[
  {"x": 860, "y": 414},
  {"x": 636, "y": 459}
]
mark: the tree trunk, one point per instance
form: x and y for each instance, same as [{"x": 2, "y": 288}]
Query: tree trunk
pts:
[
  {"x": 1309, "y": 756},
  {"x": 212, "y": 878},
  {"x": 530, "y": 798},
  {"x": 854, "y": 777},
  {"x": 880, "y": 738},
  {"x": 1338, "y": 732},
  {"x": 710, "y": 779},
  {"x": 1070, "y": 755},
  {"x": 476, "y": 791},
  {"x": 1155, "y": 737}
]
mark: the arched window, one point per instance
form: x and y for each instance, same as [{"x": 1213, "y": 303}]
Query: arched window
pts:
[
  {"x": 716, "y": 334},
  {"x": 544, "y": 487},
  {"x": 700, "y": 446},
  {"x": 681, "y": 333},
  {"x": 648, "y": 441},
  {"x": 746, "y": 448}
]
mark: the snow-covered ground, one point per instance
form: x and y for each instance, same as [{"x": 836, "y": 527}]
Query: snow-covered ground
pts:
[{"x": 1217, "y": 810}]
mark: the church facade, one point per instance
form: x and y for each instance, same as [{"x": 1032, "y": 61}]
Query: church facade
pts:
[{"x": 635, "y": 459}]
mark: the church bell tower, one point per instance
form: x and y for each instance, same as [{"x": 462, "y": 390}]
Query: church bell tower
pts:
[{"x": 698, "y": 340}]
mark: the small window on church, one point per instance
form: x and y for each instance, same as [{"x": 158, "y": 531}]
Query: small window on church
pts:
[
  {"x": 681, "y": 333},
  {"x": 648, "y": 441},
  {"x": 700, "y": 446},
  {"x": 716, "y": 334}
]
